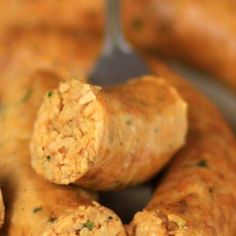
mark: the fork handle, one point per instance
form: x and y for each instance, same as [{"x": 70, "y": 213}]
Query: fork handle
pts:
[{"x": 114, "y": 39}]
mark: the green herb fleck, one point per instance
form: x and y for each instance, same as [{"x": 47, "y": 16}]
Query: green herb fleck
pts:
[
  {"x": 128, "y": 122},
  {"x": 137, "y": 24},
  {"x": 160, "y": 98},
  {"x": 50, "y": 93},
  {"x": 48, "y": 158},
  {"x": 2, "y": 108},
  {"x": 37, "y": 209},
  {"x": 141, "y": 102},
  {"x": 156, "y": 130},
  {"x": 89, "y": 225},
  {"x": 111, "y": 138},
  {"x": 202, "y": 164},
  {"x": 55, "y": 62},
  {"x": 27, "y": 96}
]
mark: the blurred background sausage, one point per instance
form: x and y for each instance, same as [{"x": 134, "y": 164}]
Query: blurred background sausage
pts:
[
  {"x": 72, "y": 14},
  {"x": 199, "y": 32},
  {"x": 24, "y": 51}
]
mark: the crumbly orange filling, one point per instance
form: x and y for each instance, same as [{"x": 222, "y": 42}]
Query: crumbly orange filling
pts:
[
  {"x": 67, "y": 132},
  {"x": 94, "y": 220},
  {"x": 147, "y": 223}
]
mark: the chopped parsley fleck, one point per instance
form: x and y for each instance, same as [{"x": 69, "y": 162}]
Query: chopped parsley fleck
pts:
[
  {"x": 89, "y": 225},
  {"x": 137, "y": 23},
  {"x": 156, "y": 130},
  {"x": 50, "y": 93},
  {"x": 160, "y": 98},
  {"x": 48, "y": 158},
  {"x": 202, "y": 164},
  {"x": 27, "y": 95},
  {"x": 128, "y": 122},
  {"x": 2, "y": 107},
  {"x": 37, "y": 209},
  {"x": 141, "y": 102}
]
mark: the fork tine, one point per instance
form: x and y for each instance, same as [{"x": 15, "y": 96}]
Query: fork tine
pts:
[{"x": 118, "y": 62}]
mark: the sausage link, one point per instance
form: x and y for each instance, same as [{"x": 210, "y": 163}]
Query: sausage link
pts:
[
  {"x": 35, "y": 206},
  {"x": 108, "y": 138},
  {"x": 200, "y": 32},
  {"x": 197, "y": 195}
]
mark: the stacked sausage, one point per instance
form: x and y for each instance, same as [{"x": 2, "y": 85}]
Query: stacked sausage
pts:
[
  {"x": 67, "y": 210},
  {"x": 107, "y": 138},
  {"x": 196, "y": 197}
]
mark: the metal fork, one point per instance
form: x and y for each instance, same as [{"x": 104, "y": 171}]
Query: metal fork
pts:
[{"x": 118, "y": 61}]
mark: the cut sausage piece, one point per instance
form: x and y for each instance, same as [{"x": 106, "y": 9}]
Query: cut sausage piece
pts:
[
  {"x": 197, "y": 196},
  {"x": 108, "y": 138},
  {"x": 99, "y": 221},
  {"x": 35, "y": 206}
]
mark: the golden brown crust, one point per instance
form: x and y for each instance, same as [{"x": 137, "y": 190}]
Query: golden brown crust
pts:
[
  {"x": 197, "y": 195},
  {"x": 33, "y": 205},
  {"x": 108, "y": 137},
  {"x": 200, "y": 32}
]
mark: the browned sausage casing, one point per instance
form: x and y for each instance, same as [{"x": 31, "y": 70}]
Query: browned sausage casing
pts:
[
  {"x": 197, "y": 196},
  {"x": 108, "y": 138},
  {"x": 35, "y": 206}
]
